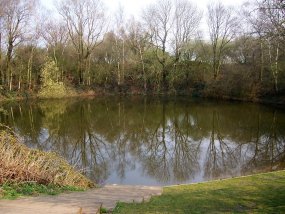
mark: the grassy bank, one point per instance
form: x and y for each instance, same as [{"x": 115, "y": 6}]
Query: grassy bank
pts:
[
  {"x": 25, "y": 171},
  {"x": 15, "y": 190},
  {"x": 262, "y": 193}
]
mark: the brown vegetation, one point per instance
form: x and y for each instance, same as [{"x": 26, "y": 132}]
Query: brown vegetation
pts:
[{"x": 21, "y": 164}]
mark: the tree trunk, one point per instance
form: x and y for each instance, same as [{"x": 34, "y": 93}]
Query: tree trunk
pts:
[
  {"x": 20, "y": 79},
  {"x": 30, "y": 68},
  {"x": 9, "y": 74},
  {"x": 119, "y": 79},
  {"x": 164, "y": 81},
  {"x": 274, "y": 64},
  {"x": 123, "y": 64},
  {"x": 88, "y": 66},
  {"x": 11, "y": 80},
  {"x": 215, "y": 61},
  {"x": 261, "y": 62},
  {"x": 143, "y": 69},
  {"x": 276, "y": 69},
  {"x": 1, "y": 72}
]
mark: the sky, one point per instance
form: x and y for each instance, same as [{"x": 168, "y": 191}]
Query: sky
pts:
[{"x": 134, "y": 7}]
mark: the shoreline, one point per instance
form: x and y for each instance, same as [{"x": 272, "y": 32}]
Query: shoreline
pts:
[
  {"x": 262, "y": 192},
  {"x": 226, "y": 179},
  {"x": 275, "y": 101},
  {"x": 241, "y": 194}
]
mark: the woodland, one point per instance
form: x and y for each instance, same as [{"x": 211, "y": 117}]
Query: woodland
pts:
[{"x": 172, "y": 47}]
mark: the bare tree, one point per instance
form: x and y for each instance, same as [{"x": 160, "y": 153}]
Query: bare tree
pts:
[
  {"x": 86, "y": 24},
  {"x": 222, "y": 25},
  {"x": 266, "y": 18},
  {"x": 255, "y": 21},
  {"x": 275, "y": 12},
  {"x": 1, "y": 28},
  {"x": 171, "y": 25},
  {"x": 159, "y": 19},
  {"x": 16, "y": 16},
  {"x": 139, "y": 40},
  {"x": 187, "y": 19},
  {"x": 55, "y": 35},
  {"x": 119, "y": 47},
  {"x": 274, "y": 27}
]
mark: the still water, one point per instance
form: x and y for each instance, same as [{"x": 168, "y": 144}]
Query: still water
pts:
[{"x": 153, "y": 141}]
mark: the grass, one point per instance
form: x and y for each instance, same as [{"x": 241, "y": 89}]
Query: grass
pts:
[
  {"x": 262, "y": 193},
  {"x": 103, "y": 210},
  {"x": 25, "y": 171},
  {"x": 13, "y": 191}
]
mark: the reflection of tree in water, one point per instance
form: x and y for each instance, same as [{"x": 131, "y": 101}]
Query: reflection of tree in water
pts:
[
  {"x": 25, "y": 119},
  {"x": 155, "y": 155},
  {"x": 262, "y": 150},
  {"x": 70, "y": 134},
  {"x": 186, "y": 149},
  {"x": 220, "y": 159},
  {"x": 170, "y": 152},
  {"x": 120, "y": 145},
  {"x": 186, "y": 153},
  {"x": 268, "y": 148},
  {"x": 166, "y": 139},
  {"x": 103, "y": 137}
]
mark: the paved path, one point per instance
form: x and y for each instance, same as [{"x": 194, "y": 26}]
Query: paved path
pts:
[{"x": 88, "y": 202}]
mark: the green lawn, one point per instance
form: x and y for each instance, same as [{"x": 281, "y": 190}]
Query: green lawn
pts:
[{"x": 262, "y": 193}]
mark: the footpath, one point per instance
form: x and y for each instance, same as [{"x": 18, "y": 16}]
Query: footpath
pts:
[{"x": 88, "y": 202}]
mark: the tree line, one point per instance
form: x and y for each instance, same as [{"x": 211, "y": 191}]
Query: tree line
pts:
[{"x": 240, "y": 54}]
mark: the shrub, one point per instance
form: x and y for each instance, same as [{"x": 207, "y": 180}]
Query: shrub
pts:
[{"x": 51, "y": 87}]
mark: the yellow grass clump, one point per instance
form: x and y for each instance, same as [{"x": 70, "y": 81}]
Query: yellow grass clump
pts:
[{"x": 18, "y": 163}]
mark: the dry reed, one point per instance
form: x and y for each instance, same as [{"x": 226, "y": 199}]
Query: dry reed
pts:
[{"x": 18, "y": 163}]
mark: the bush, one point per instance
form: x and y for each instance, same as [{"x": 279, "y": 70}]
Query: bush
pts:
[{"x": 51, "y": 87}]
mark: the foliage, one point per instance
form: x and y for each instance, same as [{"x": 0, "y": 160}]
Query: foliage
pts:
[
  {"x": 21, "y": 164},
  {"x": 264, "y": 193},
  {"x": 51, "y": 86},
  {"x": 49, "y": 73}
]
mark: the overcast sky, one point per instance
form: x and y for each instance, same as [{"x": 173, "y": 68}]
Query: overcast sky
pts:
[{"x": 134, "y": 7}]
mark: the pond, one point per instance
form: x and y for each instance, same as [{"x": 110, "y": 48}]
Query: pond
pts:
[{"x": 153, "y": 141}]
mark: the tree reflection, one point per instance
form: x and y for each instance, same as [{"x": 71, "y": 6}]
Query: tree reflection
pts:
[
  {"x": 269, "y": 148},
  {"x": 171, "y": 141},
  {"x": 220, "y": 158}
]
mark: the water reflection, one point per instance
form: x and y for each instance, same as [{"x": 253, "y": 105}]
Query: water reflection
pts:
[{"x": 153, "y": 141}]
